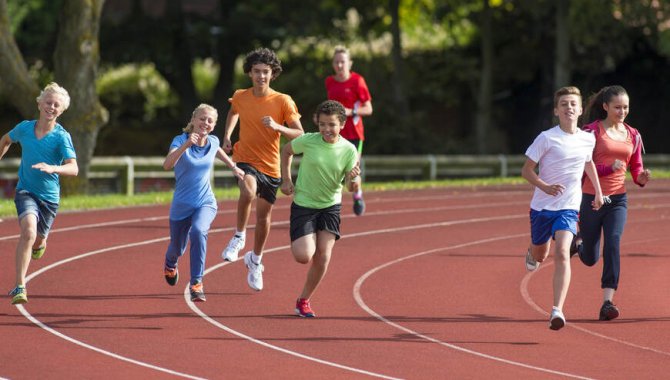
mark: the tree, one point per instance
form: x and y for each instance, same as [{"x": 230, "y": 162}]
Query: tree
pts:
[{"x": 76, "y": 58}]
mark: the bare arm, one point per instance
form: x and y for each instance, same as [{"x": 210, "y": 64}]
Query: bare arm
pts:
[
  {"x": 237, "y": 172},
  {"x": 231, "y": 122},
  {"x": 286, "y": 179},
  {"x": 364, "y": 109},
  {"x": 174, "y": 154},
  {"x": 69, "y": 168},
  {"x": 5, "y": 142},
  {"x": 592, "y": 173},
  {"x": 528, "y": 172},
  {"x": 293, "y": 130},
  {"x": 353, "y": 177}
]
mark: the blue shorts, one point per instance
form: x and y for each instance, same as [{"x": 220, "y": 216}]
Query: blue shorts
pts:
[
  {"x": 27, "y": 203},
  {"x": 545, "y": 223}
]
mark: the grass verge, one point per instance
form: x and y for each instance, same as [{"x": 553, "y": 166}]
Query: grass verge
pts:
[{"x": 92, "y": 202}]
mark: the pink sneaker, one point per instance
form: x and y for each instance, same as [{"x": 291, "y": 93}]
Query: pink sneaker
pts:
[{"x": 303, "y": 309}]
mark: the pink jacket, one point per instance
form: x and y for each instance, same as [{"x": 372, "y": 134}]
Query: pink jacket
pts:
[{"x": 635, "y": 164}]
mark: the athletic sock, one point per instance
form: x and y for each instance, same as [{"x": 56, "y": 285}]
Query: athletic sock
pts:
[
  {"x": 256, "y": 258},
  {"x": 241, "y": 234}
]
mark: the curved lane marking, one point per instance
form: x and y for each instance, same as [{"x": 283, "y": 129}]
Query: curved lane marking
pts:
[
  {"x": 364, "y": 306},
  {"x": 192, "y": 306},
  {"x": 529, "y": 300}
]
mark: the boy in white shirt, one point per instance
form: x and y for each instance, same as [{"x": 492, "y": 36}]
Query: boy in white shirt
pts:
[{"x": 563, "y": 153}]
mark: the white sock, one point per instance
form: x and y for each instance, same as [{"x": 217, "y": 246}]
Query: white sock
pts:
[
  {"x": 256, "y": 258},
  {"x": 242, "y": 234}
]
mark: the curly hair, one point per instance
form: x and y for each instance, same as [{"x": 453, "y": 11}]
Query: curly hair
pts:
[
  {"x": 331, "y": 107},
  {"x": 264, "y": 56}
]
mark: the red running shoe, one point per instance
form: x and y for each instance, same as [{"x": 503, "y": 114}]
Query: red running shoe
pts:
[{"x": 303, "y": 309}]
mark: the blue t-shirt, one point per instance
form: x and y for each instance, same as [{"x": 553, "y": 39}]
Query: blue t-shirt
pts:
[
  {"x": 192, "y": 173},
  {"x": 52, "y": 149}
]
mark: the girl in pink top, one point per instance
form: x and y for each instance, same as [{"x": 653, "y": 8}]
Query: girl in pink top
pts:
[{"x": 618, "y": 149}]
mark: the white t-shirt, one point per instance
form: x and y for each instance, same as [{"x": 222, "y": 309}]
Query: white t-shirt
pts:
[{"x": 561, "y": 157}]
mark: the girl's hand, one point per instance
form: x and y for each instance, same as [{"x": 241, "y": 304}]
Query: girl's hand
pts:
[
  {"x": 618, "y": 164},
  {"x": 644, "y": 177},
  {"x": 238, "y": 173},
  {"x": 44, "y": 167}
]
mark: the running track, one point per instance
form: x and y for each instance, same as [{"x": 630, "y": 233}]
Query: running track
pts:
[{"x": 428, "y": 284}]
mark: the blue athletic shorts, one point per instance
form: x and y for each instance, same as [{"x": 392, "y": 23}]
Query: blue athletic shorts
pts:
[
  {"x": 545, "y": 223},
  {"x": 27, "y": 203}
]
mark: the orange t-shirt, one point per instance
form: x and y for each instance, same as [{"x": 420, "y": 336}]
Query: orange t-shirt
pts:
[
  {"x": 259, "y": 145},
  {"x": 606, "y": 151}
]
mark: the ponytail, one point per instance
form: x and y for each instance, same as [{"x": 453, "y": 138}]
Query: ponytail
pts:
[{"x": 594, "y": 108}]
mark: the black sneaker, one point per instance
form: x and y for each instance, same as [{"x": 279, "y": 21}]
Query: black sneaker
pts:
[
  {"x": 359, "y": 206},
  {"x": 576, "y": 244},
  {"x": 197, "y": 293},
  {"x": 608, "y": 311},
  {"x": 171, "y": 276}
]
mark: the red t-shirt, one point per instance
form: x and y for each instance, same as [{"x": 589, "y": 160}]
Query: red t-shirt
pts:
[{"x": 348, "y": 93}]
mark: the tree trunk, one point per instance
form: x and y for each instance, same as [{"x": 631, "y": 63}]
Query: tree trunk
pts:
[
  {"x": 399, "y": 93},
  {"x": 14, "y": 76},
  {"x": 483, "y": 117},
  {"x": 76, "y": 59},
  {"x": 562, "y": 62}
]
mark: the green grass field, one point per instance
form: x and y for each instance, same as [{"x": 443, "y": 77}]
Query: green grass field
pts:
[{"x": 91, "y": 202}]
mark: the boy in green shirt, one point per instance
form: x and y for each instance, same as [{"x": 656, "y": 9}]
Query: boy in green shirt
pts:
[{"x": 328, "y": 160}]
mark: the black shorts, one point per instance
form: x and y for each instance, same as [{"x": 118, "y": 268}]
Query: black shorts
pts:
[
  {"x": 305, "y": 221},
  {"x": 266, "y": 186}
]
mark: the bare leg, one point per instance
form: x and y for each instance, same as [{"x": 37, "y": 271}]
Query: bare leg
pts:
[
  {"x": 263, "y": 220},
  {"x": 316, "y": 248},
  {"x": 247, "y": 195},
  {"x": 562, "y": 271},
  {"x": 28, "y": 236}
]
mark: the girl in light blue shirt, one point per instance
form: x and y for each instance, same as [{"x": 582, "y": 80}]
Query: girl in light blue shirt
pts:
[{"x": 193, "y": 208}]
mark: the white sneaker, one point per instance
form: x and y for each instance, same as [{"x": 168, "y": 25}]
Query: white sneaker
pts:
[
  {"x": 557, "y": 319},
  {"x": 255, "y": 276},
  {"x": 531, "y": 264},
  {"x": 234, "y": 247}
]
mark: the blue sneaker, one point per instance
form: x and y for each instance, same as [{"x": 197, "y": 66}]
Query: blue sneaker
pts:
[{"x": 19, "y": 295}]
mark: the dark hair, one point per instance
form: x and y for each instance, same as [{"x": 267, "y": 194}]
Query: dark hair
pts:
[
  {"x": 331, "y": 107},
  {"x": 264, "y": 56},
  {"x": 594, "y": 109},
  {"x": 569, "y": 90}
]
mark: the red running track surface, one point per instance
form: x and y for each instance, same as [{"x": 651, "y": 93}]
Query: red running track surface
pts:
[{"x": 427, "y": 284}]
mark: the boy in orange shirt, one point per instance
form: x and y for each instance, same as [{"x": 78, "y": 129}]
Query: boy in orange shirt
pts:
[{"x": 265, "y": 115}]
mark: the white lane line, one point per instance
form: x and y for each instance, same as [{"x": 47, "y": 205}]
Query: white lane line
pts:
[
  {"x": 359, "y": 300},
  {"x": 529, "y": 300},
  {"x": 103, "y": 224},
  {"x": 39, "y": 323},
  {"x": 203, "y": 315}
]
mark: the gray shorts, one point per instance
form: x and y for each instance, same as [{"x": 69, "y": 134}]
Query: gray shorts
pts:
[{"x": 27, "y": 203}]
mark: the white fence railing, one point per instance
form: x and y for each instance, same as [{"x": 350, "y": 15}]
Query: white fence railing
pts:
[{"x": 125, "y": 173}]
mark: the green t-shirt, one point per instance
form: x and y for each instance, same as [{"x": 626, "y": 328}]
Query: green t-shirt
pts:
[{"x": 322, "y": 170}]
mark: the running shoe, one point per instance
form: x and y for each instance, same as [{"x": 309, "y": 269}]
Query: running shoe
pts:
[
  {"x": 197, "y": 293},
  {"x": 255, "y": 276},
  {"x": 608, "y": 311},
  {"x": 233, "y": 249},
  {"x": 359, "y": 205},
  {"x": 557, "y": 320},
  {"x": 576, "y": 244},
  {"x": 531, "y": 264},
  {"x": 171, "y": 276},
  {"x": 39, "y": 252},
  {"x": 19, "y": 295},
  {"x": 303, "y": 308}
]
